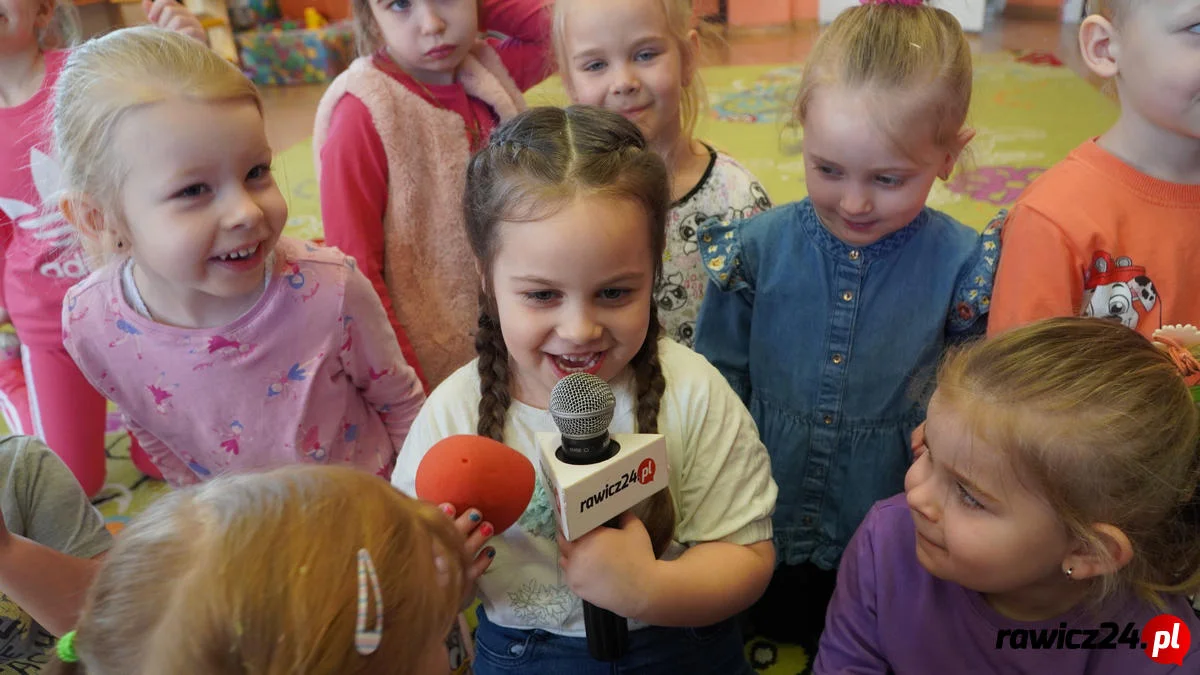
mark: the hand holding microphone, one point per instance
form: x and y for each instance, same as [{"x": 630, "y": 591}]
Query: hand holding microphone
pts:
[
  {"x": 595, "y": 479},
  {"x": 611, "y": 566}
]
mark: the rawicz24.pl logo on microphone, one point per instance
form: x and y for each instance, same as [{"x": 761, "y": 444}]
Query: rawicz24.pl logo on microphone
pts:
[
  {"x": 1166, "y": 638},
  {"x": 642, "y": 475}
]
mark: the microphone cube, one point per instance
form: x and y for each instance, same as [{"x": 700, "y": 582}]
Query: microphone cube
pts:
[{"x": 588, "y": 495}]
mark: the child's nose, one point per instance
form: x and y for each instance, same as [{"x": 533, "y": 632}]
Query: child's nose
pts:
[
  {"x": 579, "y": 328},
  {"x": 624, "y": 82},
  {"x": 431, "y": 21},
  {"x": 245, "y": 212},
  {"x": 920, "y": 490},
  {"x": 855, "y": 202}
]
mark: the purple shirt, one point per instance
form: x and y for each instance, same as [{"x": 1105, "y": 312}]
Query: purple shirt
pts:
[{"x": 889, "y": 615}]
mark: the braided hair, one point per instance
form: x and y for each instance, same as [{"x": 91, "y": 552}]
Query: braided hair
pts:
[{"x": 533, "y": 164}]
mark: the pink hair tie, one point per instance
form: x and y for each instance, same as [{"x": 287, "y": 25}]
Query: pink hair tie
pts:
[{"x": 910, "y": 3}]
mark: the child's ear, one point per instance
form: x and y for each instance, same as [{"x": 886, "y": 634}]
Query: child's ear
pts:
[
  {"x": 1099, "y": 45},
  {"x": 691, "y": 57},
  {"x": 85, "y": 214},
  {"x": 1114, "y": 552},
  {"x": 960, "y": 143}
]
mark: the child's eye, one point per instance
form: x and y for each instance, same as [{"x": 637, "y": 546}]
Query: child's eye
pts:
[
  {"x": 965, "y": 497},
  {"x": 889, "y": 181},
  {"x": 593, "y": 66},
  {"x": 645, "y": 55},
  {"x": 614, "y": 293},
  {"x": 259, "y": 172},
  {"x": 399, "y": 5},
  {"x": 192, "y": 191},
  {"x": 540, "y": 297},
  {"x": 828, "y": 171}
]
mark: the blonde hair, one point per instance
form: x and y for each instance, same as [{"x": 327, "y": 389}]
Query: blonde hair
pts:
[
  {"x": 1113, "y": 10},
  {"x": 914, "y": 58},
  {"x": 1102, "y": 423},
  {"x": 62, "y": 30},
  {"x": 106, "y": 78},
  {"x": 538, "y": 162},
  {"x": 680, "y": 23},
  {"x": 257, "y": 573}
]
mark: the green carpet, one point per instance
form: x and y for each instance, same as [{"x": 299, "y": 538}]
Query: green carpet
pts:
[{"x": 1028, "y": 111}]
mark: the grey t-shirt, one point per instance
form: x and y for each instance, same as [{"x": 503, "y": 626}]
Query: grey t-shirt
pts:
[{"x": 42, "y": 501}]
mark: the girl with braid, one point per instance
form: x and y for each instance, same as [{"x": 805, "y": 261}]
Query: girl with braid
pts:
[{"x": 566, "y": 213}]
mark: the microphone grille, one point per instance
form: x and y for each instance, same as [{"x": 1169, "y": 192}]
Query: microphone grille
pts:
[{"x": 582, "y": 405}]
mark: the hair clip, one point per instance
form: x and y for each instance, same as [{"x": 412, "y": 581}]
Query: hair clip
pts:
[
  {"x": 66, "y": 648},
  {"x": 367, "y": 641}
]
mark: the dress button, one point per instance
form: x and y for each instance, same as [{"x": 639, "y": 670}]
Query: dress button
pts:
[
  {"x": 828, "y": 419},
  {"x": 807, "y": 520},
  {"x": 837, "y": 358},
  {"x": 847, "y": 296},
  {"x": 854, "y": 255}
]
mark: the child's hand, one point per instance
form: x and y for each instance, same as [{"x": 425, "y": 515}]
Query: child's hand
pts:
[
  {"x": 476, "y": 559},
  {"x": 611, "y": 567},
  {"x": 917, "y": 442},
  {"x": 173, "y": 16}
]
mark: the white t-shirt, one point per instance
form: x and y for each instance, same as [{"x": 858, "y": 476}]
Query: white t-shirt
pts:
[{"x": 720, "y": 480}]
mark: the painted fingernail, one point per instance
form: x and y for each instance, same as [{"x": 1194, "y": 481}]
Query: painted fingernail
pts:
[
  {"x": 447, "y": 509},
  {"x": 475, "y": 517},
  {"x": 491, "y": 553},
  {"x": 486, "y": 530}
]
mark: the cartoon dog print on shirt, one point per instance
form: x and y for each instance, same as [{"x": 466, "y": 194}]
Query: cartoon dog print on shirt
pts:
[{"x": 1116, "y": 289}]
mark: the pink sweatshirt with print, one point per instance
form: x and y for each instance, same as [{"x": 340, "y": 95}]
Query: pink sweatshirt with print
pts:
[{"x": 312, "y": 373}]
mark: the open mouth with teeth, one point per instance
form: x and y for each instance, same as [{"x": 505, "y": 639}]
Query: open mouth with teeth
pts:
[
  {"x": 242, "y": 257},
  {"x": 565, "y": 364}
]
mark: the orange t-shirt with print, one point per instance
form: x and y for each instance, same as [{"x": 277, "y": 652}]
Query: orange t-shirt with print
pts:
[{"x": 1095, "y": 237}]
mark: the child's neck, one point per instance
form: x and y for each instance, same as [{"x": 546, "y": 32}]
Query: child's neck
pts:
[
  {"x": 686, "y": 160},
  {"x": 188, "y": 308},
  {"x": 1040, "y": 601},
  {"x": 20, "y": 76},
  {"x": 1153, "y": 150}
]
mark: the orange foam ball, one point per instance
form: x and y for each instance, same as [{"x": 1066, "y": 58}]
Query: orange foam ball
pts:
[{"x": 473, "y": 471}]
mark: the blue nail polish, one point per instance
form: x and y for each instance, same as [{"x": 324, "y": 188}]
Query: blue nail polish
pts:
[
  {"x": 491, "y": 553},
  {"x": 475, "y": 517}
]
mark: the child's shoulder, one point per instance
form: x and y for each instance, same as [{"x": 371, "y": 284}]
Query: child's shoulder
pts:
[
  {"x": 686, "y": 371},
  {"x": 297, "y": 251},
  {"x": 20, "y": 454},
  {"x": 458, "y": 394},
  {"x": 97, "y": 287},
  {"x": 1087, "y": 172}
]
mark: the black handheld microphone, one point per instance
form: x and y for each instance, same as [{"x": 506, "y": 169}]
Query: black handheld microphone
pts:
[{"x": 582, "y": 408}]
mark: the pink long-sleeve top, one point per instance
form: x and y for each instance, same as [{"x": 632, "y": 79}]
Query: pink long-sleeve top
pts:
[{"x": 311, "y": 373}]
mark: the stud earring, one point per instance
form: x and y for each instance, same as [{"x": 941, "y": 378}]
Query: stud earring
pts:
[{"x": 1069, "y": 571}]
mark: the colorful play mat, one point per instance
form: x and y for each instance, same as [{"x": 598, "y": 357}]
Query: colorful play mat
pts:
[{"x": 1029, "y": 111}]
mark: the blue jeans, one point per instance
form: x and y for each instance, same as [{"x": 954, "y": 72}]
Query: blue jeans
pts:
[{"x": 715, "y": 650}]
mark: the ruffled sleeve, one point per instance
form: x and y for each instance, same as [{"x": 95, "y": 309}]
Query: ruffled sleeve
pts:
[
  {"x": 722, "y": 251},
  {"x": 973, "y": 293}
]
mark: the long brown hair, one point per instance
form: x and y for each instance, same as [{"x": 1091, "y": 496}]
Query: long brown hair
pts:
[
  {"x": 534, "y": 164},
  {"x": 256, "y": 574},
  {"x": 1103, "y": 423}
]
